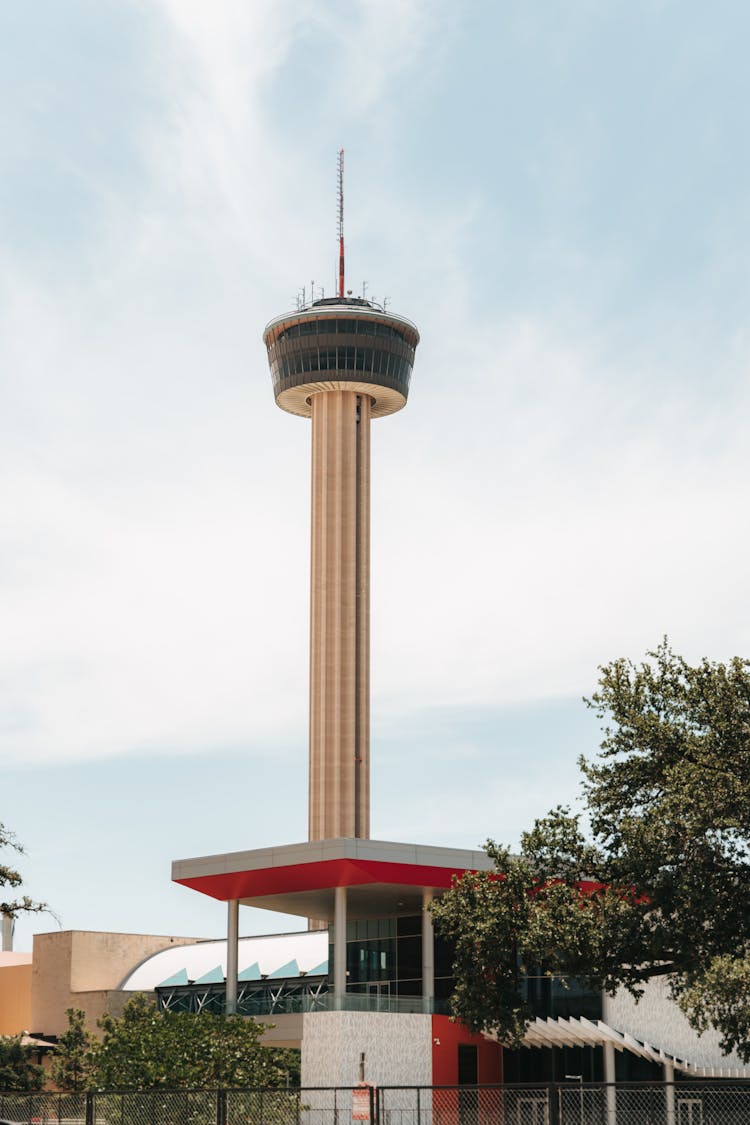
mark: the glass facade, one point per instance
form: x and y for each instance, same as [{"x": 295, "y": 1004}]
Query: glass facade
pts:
[
  {"x": 384, "y": 960},
  {"x": 551, "y": 996},
  {"x": 342, "y": 327},
  {"x": 341, "y": 349},
  {"x": 383, "y": 973},
  {"x": 367, "y": 361}
]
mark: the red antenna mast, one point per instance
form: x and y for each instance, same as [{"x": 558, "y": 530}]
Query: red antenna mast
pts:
[{"x": 341, "y": 222}]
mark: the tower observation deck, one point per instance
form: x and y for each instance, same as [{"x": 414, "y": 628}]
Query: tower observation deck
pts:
[{"x": 340, "y": 361}]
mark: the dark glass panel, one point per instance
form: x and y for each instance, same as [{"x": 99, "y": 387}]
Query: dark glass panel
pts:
[
  {"x": 409, "y": 925},
  {"x": 467, "y": 1064}
]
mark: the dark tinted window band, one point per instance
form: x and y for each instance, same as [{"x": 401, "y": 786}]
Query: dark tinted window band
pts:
[
  {"x": 341, "y": 327},
  {"x": 367, "y": 361}
]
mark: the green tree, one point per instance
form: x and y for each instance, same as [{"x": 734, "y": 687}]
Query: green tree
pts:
[
  {"x": 11, "y": 879},
  {"x": 662, "y": 884},
  {"x": 146, "y": 1048},
  {"x": 73, "y": 1062},
  {"x": 17, "y": 1071}
]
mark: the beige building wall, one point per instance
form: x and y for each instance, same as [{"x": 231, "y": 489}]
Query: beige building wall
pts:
[
  {"x": 15, "y": 993},
  {"x": 84, "y": 969}
]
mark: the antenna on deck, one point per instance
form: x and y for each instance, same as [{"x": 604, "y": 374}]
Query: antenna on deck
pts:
[{"x": 341, "y": 222}]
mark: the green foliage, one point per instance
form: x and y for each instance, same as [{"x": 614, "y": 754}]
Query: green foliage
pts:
[
  {"x": 662, "y": 887},
  {"x": 72, "y": 1062},
  {"x": 719, "y": 996},
  {"x": 17, "y": 1071},
  {"x": 11, "y": 878},
  {"x": 145, "y": 1048},
  {"x": 543, "y": 908}
]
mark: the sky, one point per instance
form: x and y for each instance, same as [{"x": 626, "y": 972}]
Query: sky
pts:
[{"x": 558, "y": 195}]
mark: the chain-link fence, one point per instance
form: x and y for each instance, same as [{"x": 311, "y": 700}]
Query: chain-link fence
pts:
[
  {"x": 655, "y": 1103},
  {"x": 43, "y": 1107},
  {"x": 681, "y": 1103}
]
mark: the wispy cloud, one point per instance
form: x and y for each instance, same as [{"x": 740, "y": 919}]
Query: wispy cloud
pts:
[{"x": 566, "y": 481}]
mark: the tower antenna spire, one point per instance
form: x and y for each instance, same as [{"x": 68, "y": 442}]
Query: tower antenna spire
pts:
[{"x": 341, "y": 222}]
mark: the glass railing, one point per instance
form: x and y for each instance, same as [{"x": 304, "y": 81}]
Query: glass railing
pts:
[{"x": 264, "y": 1004}]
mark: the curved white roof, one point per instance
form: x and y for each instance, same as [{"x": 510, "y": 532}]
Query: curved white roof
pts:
[{"x": 257, "y": 957}]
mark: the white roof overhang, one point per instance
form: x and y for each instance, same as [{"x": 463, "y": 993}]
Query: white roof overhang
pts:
[{"x": 580, "y": 1032}]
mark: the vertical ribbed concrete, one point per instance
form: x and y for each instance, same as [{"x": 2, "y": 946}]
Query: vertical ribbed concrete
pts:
[{"x": 340, "y": 616}]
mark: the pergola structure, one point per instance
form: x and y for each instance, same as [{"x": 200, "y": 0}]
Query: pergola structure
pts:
[{"x": 332, "y": 882}]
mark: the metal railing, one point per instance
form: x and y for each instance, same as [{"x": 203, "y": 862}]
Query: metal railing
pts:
[
  {"x": 275, "y": 999},
  {"x": 682, "y": 1103}
]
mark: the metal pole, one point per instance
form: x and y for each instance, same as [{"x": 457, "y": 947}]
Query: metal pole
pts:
[
  {"x": 428, "y": 954},
  {"x": 233, "y": 916}
]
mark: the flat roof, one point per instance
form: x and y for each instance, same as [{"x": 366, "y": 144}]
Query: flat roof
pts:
[{"x": 384, "y": 879}]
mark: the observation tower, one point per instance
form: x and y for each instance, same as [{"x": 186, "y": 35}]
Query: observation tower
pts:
[{"x": 340, "y": 361}]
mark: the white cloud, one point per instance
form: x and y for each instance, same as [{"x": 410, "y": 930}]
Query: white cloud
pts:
[{"x": 551, "y": 497}]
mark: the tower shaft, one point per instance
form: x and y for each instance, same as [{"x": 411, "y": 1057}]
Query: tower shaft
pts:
[
  {"x": 340, "y": 616},
  {"x": 341, "y": 362}
]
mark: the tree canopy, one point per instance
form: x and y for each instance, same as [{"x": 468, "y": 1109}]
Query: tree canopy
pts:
[
  {"x": 72, "y": 1066},
  {"x": 11, "y": 879},
  {"x": 146, "y": 1048},
  {"x": 658, "y": 886},
  {"x": 17, "y": 1070}
]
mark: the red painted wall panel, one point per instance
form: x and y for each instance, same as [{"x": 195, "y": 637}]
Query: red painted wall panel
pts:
[{"x": 446, "y": 1036}]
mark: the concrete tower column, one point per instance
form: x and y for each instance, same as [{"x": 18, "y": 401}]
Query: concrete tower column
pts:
[{"x": 340, "y": 616}]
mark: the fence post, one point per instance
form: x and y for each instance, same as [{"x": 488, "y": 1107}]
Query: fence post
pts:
[
  {"x": 221, "y": 1107},
  {"x": 372, "y": 1104},
  {"x": 419, "y": 1107},
  {"x": 90, "y": 1107}
]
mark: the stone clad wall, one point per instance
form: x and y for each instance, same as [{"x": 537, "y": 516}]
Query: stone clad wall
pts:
[
  {"x": 398, "y": 1048},
  {"x": 657, "y": 1020}
]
